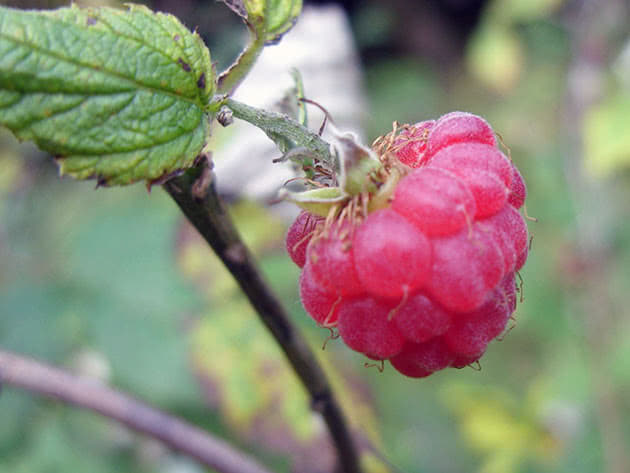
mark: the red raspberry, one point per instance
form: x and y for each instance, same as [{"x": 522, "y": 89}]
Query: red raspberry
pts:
[
  {"x": 520, "y": 259},
  {"x": 459, "y": 127},
  {"x": 330, "y": 256},
  {"x": 299, "y": 234},
  {"x": 391, "y": 256},
  {"x": 466, "y": 267},
  {"x": 418, "y": 360},
  {"x": 428, "y": 281},
  {"x": 483, "y": 168},
  {"x": 365, "y": 327},
  {"x": 320, "y": 304},
  {"x": 462, "y": 361},
  {"x": 518, "y": 191},
  {"x": 510, "y": 232},
  {"x": 471, "y": 332},
  {"x": 435, "y": 200},
  {"x": 421, "y": 319},
  {"x": 411, "y": 144}
]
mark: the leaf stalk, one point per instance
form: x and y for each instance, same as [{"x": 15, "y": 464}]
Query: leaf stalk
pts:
[{"x": 281, "y": 127}]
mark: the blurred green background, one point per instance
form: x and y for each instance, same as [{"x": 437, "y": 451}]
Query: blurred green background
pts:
[{"x": 112, "y": 283}]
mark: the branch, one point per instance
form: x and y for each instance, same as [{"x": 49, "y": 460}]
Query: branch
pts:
[
  {"x": 195, "y": 194},
  {"x": 52, "y": 382}
]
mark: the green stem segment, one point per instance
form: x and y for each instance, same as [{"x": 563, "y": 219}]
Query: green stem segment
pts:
[
  {"x": 195, "y": 194},
  {"x": 231, "y": 78},
  {"x": 277, "y": 125}
]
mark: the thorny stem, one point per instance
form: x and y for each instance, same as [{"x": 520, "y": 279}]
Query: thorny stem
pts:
[
  {"x": 45, "y": 380},
  {"x": 195, "y": 194}
]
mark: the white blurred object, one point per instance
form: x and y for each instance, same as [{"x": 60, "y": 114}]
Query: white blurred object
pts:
[
  {"x": 179, "y": 464},
  {"x": 321, "y": 47},
  {"x": 621, "y": 66},
  {"x": 563, "y": 419},
  {"x": 92, "y": 364}
]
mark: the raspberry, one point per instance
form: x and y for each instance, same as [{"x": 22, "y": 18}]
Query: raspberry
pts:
[
  {"x": 466, "y": 267},
  {"x": 423, "y": 274},
  {"x": 364, "y": 326},
  {"x": 391, "y": 256},
  {"x": 330, "y": 256},
  {"x": 520, "y": 259},
  {"x": 461, "y": 361},
  {"x": 299, "y": 234},
  {"x": 471, "y": 332},
  {"x": 411, "y": 144},
  {"x": 421, "y": 319},
  {"x": 484, "y": 168},
  {"x": 418, "y": 360},
  {"x": 508, "y": 286},
  {"x": 510, "y": 232},
  {"x": 518, "y": 191},
  {"x": 459, "y": 127},
  {"x": 319, "y": 304},
  {"x": 434, "y": 200}
]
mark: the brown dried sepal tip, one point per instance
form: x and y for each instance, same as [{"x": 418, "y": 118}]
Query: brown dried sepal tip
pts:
[
  {"x": 342, "y": 220},
  {"x": 388, "y": 145}
]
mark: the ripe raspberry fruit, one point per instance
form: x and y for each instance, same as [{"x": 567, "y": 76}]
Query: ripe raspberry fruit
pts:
[
  {"x": 411, "y": 144},
  {"x": 299, "y": 234},
  {"x": 471, "y": 332},
  {"x": 320, "y": 304},
  {"x": 365, "y": 327},
  {"x": 418, "y": 266},
  {"x": 418, "y": 360},
  {"x": 330, "y": 256},
  {"x": 459, "y": 127},
  {"x": 518, "y": 191},
  {"x": 435, "y": 200},
  {"x": 510, "y": 232},
  {"x": 485, "y": 170},
  {"x": 466, "y": 267},
  {"x": 421, "y": 319},
  {"x": 391, "y": 256}
]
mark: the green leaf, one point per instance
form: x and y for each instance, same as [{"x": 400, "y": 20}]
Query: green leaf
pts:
[
  {"x": 606, "y": 138},
  {"x": 270, "y": 19},
  {"x": 116, "y": 95}
]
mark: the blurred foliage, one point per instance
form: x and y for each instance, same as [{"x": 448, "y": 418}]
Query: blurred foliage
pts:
[
  {"x": 495, "y": 52},
  {"x": 114, "y": 285},
  {"x": 606, "y": 134},
  {"x": 506, "y": 429}
]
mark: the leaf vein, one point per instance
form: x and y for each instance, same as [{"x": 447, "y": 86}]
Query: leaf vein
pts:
[
  {"x": 36, "y": 120},
  {"x": 87, "y": 152},
  {"x": 132, "y": 81},
  {"x": 136, "y": 40}
]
